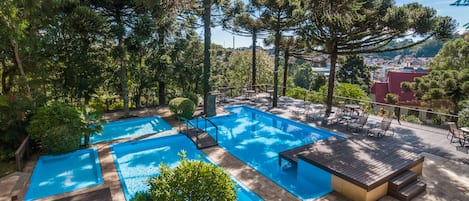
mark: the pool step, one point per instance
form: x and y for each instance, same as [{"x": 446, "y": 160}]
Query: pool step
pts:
[
  {"x": 200, "y": 138},
  {"x": 406, "y": 186}
]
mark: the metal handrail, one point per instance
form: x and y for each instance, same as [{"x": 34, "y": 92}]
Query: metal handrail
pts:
[
  {"x": 187, "y": 122},
  {"x": 213, "y": 124}
]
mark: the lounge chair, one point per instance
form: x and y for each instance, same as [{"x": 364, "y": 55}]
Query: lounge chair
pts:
[
  {"x": 457, "y": 133},
  {"x": 356, "y": 126},
  {"x": 381, "y": 130}
]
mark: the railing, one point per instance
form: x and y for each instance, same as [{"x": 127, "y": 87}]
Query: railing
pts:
[
  {"x": 406, "y": 113},
  {"x": 213, "y": 124},
  {"x": 188, "y": 122},
  {"x": 20, "y": 153},
  {"x": 196, "y": 126},
  {"x": 423, "y": 115}
]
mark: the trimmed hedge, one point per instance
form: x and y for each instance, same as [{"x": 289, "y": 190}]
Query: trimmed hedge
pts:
[{"x": 182, "y": 107}]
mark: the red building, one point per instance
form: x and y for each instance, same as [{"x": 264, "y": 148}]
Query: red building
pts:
[{"x": 393, "y": 85}]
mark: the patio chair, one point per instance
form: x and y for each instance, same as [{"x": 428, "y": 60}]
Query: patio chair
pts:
[
  {"x": 381, "y": 130},
  {"x": 456, "y": 133},
  {"x": 315, "y": 112},
  {"x": 356, "y": 126},
  {"x": 333, "y": 118}
]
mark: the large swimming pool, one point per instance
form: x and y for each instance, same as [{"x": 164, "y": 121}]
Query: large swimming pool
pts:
[
  {"x": 136, "y": 161},
  {"x": 64, "y": 173},
  {"x": 130, "y": 128},
  {"x": 257, "y": 137}
]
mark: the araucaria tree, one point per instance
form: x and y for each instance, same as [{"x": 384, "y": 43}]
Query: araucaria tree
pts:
[
  {"x": 354, "y": 71},
  {"x": 279, "y": 16},
  {"x": 244, "y": 20},
  {"x": 347, "y": 27}
]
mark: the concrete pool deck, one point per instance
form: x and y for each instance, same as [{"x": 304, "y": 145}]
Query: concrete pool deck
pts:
[{"x": 446, "y": 167}]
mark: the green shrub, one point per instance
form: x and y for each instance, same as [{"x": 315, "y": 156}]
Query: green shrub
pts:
[
  {"x": 182, "y": 107},
  {"x": 192, "y": 180},
  {"x": 142, "y": 196},
  {"x": 463, "y": 117},
  {"x": 192, "y": 96},
  {"x": 14, "y": 112},
  {"x": 296, "y": 92},
  {"x": 411, "y": 118},
  {"x": 392, "y": 98},
  {"x": 345, "y": 90},
  {"x": 58, "y": 127}
]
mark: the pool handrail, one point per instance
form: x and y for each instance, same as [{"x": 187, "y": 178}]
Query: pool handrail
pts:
[
  {"x": 188, "y": 122},
  {"x": 213, "y": 124}
]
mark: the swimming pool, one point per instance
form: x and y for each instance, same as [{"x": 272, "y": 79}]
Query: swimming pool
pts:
[
  {"x": 130, "y": 128},
  {"x": 256, "y": 138},
  {"x": 136, "y": 161},
  {"x": 64, "y": 173}
]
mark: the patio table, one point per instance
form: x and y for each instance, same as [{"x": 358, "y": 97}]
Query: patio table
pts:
[{"x": 352, "y": 108}]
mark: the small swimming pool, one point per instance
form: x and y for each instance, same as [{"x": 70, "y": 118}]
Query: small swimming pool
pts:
[
  {"x": 256, "y": 138},
  {"x": 130, "y": 128},
  {"x": 136, "y": 161},
  {"x": 64, "y": 173}
]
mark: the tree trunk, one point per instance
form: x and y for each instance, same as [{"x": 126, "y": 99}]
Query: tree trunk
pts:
[
  {"x": 6, "y": 85},
  {"x": 330, "y": 91},
  {"x": 285, "y": 71},
  {"x": 254, "y": 40},
  {"x": 19, "y": 63},
  {"x": 206, "y": 73},
  {"x": 161, "y": 93},
  {"x": 123, "y": 71},
  {"x": 276, "y": 63}
]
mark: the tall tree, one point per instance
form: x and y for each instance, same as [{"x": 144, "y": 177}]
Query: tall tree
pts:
[
  {"x": 354, "y": 71},
  {"x": 279, "y": 16},
  {"x": 245, "y": 20},
  {"x": 120, "y": 14},
  {"x": 206, "y": 9},
  {"x": 14, "y": 22},
  {"x": 453, "y": 56},
  {"x": 164, "y": 15},
  {"x": 348, "y": 27}
]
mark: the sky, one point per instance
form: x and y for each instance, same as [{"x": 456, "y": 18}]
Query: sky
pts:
[{"x": 460, "y": 14}]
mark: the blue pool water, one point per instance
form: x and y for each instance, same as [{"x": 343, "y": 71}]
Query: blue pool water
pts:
[
  {"x": 130, "y": 128},
  {"x": 64, "y": 173},
  {"x": 136, "y": 161},
  {"x": 257, "y": 137}
]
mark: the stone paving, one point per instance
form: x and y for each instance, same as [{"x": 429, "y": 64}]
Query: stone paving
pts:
[{"x": 446, "y": 167}]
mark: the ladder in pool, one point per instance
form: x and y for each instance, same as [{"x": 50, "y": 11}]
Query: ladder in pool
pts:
[{"x": 200, "y": 136}]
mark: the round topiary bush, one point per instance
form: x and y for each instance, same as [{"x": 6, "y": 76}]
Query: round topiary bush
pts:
[
  {"x": 192, "y": 180},
  {"x": 192, "y": 96},
  {"x": 182, "y": 107},
  {"x": 58, "y": 127}
]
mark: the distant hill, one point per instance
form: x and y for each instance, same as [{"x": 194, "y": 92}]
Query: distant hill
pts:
[{"x": 427, "y": 49}]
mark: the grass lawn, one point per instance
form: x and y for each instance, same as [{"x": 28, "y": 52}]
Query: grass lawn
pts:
[{"x": 7, "y": 167}]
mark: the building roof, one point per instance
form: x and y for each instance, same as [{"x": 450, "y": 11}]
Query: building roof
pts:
[{"x": 393, "y": 85}]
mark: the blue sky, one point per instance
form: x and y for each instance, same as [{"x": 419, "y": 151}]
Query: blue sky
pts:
[{"x": 460, "y": 14}]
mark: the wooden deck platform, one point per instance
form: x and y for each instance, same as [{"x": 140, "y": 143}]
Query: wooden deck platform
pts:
[
  {"x": 200, "y": 138},
  {"x": 367, "y": 163}
]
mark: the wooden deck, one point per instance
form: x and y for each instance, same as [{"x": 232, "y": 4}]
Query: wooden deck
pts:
[
  {"x": 200, "y": 138},
  {"x": 367, "y": 163}
]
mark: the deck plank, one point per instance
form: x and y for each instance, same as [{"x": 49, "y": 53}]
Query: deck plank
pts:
[
  {"x": 200, "y": 138},
  {"x": 365, "y": 164}
]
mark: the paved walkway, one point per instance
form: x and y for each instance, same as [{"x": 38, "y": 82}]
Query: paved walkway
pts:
[{"x": 445, "y": 169}]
